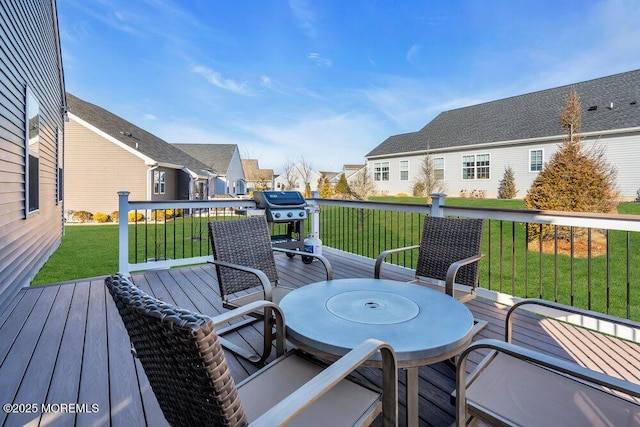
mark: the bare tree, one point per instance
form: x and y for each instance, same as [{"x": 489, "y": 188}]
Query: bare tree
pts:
[
  {"x": 305, "y": 171},
  {"x": 427, "y": 180},
  {"x": 290, "y": 175},
  {"x": 363, "y": 185}
]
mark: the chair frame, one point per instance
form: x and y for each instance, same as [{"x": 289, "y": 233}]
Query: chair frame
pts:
[
  {"x": 450, "y": 286},
  {"x": 141, "y": 313},
  {"x": 263, "y": 281},
  {"x": 466, "y": 412}
]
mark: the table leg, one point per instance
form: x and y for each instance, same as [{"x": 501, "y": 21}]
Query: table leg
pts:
[{"x": 413, "y": 417}]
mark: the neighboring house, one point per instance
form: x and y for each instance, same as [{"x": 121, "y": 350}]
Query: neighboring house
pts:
[
  {"x": 350, "y": 172},
  {"x": 105, "y": 154},
  {"x": 471, "y": 147},
  {"x": 32, "y": 96},
  {"x": 295, "y": 177},
  {"x": 256, "y": 178},
  {"x": 225, "y": 160}
]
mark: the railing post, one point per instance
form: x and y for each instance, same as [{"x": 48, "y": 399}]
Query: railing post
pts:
[
  {"x": 437, "y": 202},
  {"x": 315, "y": 215},
  {"x": 123, "y": 232}
]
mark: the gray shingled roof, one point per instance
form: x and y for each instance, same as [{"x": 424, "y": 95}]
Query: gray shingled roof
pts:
[
  {"x": 533, "y": 115},
  {"x": 137, "y": 138},
  {"x": 217, "y": 156}
]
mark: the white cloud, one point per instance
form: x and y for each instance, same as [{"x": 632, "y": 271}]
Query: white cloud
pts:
[
  {"x": 149, "y": 116},
  {"x": 412, "y": 55},
  {"x": 216, "y": 79},
  {"x": 319, "y": 60},
  {"x": 304, "y": 15}
]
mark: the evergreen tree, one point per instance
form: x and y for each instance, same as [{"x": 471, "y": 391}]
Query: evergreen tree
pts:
[
  {"x": 575, "y": 179},
  {"x": 324, "y": 187},
  {"x": 342, "y": 187},
  {"x": 507, "y": 188}
]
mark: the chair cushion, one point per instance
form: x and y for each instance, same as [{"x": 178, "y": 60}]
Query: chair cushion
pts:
[
  {"x": 345, "y": 404},
  {"x": 527, "y": 394}
]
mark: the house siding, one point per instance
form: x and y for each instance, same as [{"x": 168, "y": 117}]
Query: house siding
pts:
[
  {"x": 29, "y": 58},
  {"x": 96, "y": 169},
  {"x": 621, "y": 150}
]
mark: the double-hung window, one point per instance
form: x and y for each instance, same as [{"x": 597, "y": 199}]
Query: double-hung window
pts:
[
  {"x": 535, "y": 160},
  {"x": 381, "y": 171},
  {"x": 159, "y": 182},
  {"x": 32, "y": 154},
  {"x": 404, "y": 170},
  {"x": 438, "y": 168},
  {"x": 476, "y": 166}
]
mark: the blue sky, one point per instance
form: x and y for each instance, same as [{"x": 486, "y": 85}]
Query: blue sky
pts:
[{"x": 327, "y": 81}]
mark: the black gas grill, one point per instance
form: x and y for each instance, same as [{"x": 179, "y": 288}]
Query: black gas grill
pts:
[
  {"x": 286, "y": 211},
  {"x": 281, "y": 206}
]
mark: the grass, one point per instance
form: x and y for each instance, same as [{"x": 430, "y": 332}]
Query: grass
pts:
[{"x": 92, "y": 250}]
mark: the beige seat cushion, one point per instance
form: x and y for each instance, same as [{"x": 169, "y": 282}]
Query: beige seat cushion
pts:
[
  {"x": 529, "y": 395},
  {"x": 336, "y": 408}
]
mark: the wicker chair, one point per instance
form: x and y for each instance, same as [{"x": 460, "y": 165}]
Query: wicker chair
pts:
[
  {"x": 245, "y": 266},
  {"x": 189, "y": 375},
  {"x": 448, "y": 256}
]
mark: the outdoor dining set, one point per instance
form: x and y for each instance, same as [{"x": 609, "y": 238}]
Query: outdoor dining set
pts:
[{"x": 316, "y": 336}]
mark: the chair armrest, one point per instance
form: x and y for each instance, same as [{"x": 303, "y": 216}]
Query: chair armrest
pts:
[
  {"x": 565, "y": 308},
  {"x": 253, "y": 307},
  {"x": 452, "y": 271},
  {"x": 285, "y": 411},
  {"x": 264, "y": 280},
  {"x": 383, "y": 255},
  {"x": 325, "y": 261},
  {"x": 566, "y": 368}
]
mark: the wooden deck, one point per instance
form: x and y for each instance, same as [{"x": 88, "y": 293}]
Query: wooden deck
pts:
[{"x": 64, "y": 350}]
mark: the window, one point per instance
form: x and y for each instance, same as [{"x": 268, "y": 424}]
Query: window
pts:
[
  {"x": 159, "y": 182},
  {"x": 475, "y": 166},
  {"x": 59, "y": 164},
  {"x": 535, "y": 160},
  {"x": 381, "y": 171},
  {"x": 404, "y": 170},
  {"x": 32, "y": 154},
  {"x": 438, "y": 168}
]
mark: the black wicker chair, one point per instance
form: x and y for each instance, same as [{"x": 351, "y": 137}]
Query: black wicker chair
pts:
[
  {"x": 189, "y": 375},
  {"x": 448, "y": 256},
  {"x": 246, "y": 269}
]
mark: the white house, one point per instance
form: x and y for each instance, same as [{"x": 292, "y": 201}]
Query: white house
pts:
[
  {"x": 296, "y": 177},
  {"x": 224, "y": 159},
  {"x": 472, "y": 146}
]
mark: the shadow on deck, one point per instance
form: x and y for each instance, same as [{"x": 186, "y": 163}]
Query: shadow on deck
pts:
[{"x": 65, "y": 355}]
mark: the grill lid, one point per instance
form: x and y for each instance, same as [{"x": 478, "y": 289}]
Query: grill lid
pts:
[{"x": 278, "y": 199}]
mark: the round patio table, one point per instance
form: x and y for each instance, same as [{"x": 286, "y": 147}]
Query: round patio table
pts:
[{"x": 424, "y": 326}]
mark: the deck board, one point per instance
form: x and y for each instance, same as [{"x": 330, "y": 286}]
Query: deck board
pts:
[{"x": 66, "y": 344}]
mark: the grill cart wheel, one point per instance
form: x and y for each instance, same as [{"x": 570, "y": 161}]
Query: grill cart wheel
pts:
[{"x": 306, "y": 259}]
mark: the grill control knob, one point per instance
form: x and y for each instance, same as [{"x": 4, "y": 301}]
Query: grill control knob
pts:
[
  {"x": 290, "y": 214},
  {"x": 277, "y": 214},
  {"x": 301, "y": 214}
]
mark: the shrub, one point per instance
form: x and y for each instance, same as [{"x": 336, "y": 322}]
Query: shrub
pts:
[
  {"x": 135, "y": 216},
  {"x": 157, "y": 215},
  {"x": 115, "y": 216},
  {"x": 100, "y": 217},
  {"x": 82, "y": 216},
  {"x": 418, "y": 189},
  {"x": 507, "y": 188}
]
